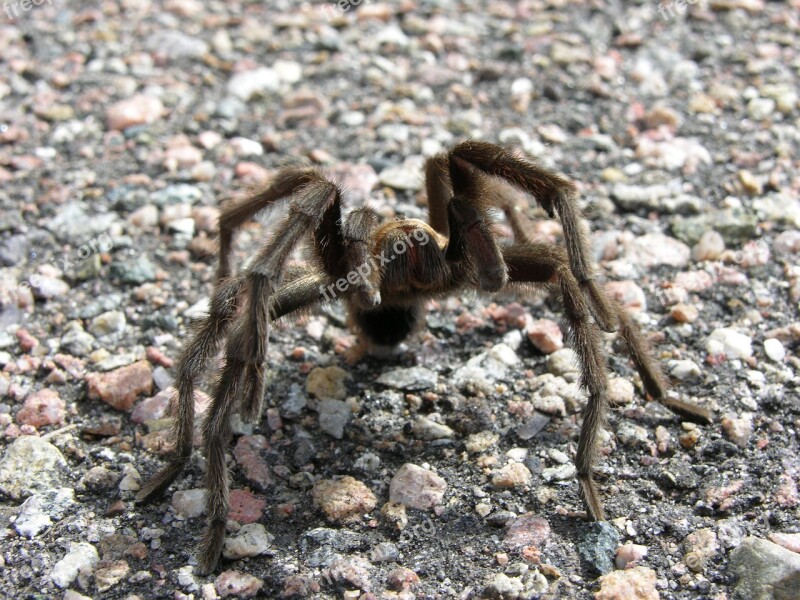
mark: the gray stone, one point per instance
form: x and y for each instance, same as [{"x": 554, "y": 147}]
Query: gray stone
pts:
[
  {"x": 502, "y": 587},
  {"x": 75, "y": 340},
  {"x": 559, "y": 473},
  {"x": 30, "y": 465},
  {"x": 189, "y": 504},
  {"x": 179, "y": 193},
  {"x": 407, "y": 176},
  {"x": 333, "y": 416},
  {"x": 487, "y": 367},
  {"x": 45, "y": 288},
  {"x": 760, "y": 108},
  {"x": 734, "y": 225},
  {"x": 137, "y": 271},
  {"x": 295, "y": 402},
  {"x": 176, "y": 44},
  {"x": 413, "y": 378},
  {"x": 764, "y": 571},
  {"x": 563, "y": 363},
  {"x": 257, "y": 82},
  {"x": 107, "y": 323},
  {"x": 684, "y": 370},
  {"x": 426, "y": 429},
  {"x": 778, "y": 206},
  {"x": 532, "y": 426},
  {"x": 598, "y": 545},
  {"x": 75, "y": 225},
  {"x": 653, "y": 249},
  {"x": 13, "y": 250},
  {"x": 663, "y": 197},
  {"x": 417, "y": 487},
  {"x": 38, "y": 512},
  {"x": 100, "y": 478}
]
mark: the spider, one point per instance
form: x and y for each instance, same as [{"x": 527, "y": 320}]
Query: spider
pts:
[{"x": 385, "y": 272}]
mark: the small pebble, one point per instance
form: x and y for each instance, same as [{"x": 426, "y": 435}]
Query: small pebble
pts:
[
  {"x": 739, "y": 429},
  {"x": 729, "y": 342},
  {"x": 684, "y": 313},
  {"x": 629, "y": 553},
  {"x": 234, "y": 583},
  {"x": 245, "y": 507},
  {"x": 39, "y": 511},
  {"x": 761, "y": 569},
  {"x": 121, "y": 387},
  {"x": 709, "y": 247},
  {"x": 108, "y": 574},
  {"x": 327, "y": 383},
  {"x": 526, "y": 530},
  {"x": 774, "y": 349},
  {"x": 30, "y": 465},
  {"x": 343, "y": 500},
  {"x": 138, "y": 110},
  {"x": 514, "y": 474},
  {"x": 334, "y": 416},
  {"x": 628, "y": 294},
  {"x": 598, "y": 545},
  {"x": 410, "y": 379},
  {"x": 189, "y": 504},
  {"x": 80, "y": 557},
  {"x": 620, "y": 391},
  {"x": 638, "y": 583},
  {"x": 42, "y": 408},
  {"x": 417, "y": 487},
  {"x": 251, "y": 540},
  {"x": 545, "y": 335}
]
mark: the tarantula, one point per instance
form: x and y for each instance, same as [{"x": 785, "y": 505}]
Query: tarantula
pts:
[{"x": 385, "y": 272}]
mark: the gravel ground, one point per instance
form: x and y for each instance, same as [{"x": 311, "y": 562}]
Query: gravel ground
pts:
[{"x": 446, "y": 470}]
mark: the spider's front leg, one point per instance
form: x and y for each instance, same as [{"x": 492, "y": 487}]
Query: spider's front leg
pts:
[
  {"x": 206, "y": 336},
  {"x": 241, "y": 383},
  {"x": 192, "y": 362},
  {"x": 302, "y": 292},
  {"x": 285, "y": 185},
  {"x": 315, "y": 208}
]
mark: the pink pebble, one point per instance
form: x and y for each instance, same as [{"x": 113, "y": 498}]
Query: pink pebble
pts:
[
  {"x": 546, "y": 335},
  {"x": 629, "y": 553},
  {"x": 44, "y": 407}
]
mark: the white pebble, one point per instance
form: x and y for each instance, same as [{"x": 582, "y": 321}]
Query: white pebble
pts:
[
  {"x": 774, "y": 349},
  {"x": 189, "y": 504},
  {"x": 251, "y": 540},
  {"x": 731, "y": 343},
  {"x": 80, "y": 558}
]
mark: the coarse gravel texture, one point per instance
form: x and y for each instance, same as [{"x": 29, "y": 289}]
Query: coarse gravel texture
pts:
[{"x": 446, "y": 470}]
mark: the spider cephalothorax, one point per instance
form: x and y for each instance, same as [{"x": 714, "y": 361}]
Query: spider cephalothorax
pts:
[{"x": 385, "y": 272}]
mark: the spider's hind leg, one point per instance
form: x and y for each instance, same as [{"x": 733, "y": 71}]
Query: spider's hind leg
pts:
[
  {"x": 555, "y": 193},
  {"x": 544, "y": 263},
  {"x": 653, "y": 378}
]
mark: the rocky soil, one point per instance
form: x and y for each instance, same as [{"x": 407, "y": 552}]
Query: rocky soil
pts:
[{"x": 444, "y": 471}]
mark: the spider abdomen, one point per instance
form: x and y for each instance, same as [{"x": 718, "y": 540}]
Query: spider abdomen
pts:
[{"x": 387, "y": 325}]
